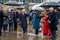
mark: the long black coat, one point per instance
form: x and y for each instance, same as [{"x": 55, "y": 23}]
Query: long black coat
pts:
[
  {"x": 1, "y": 18},
  {"x": 15, "y": 16},
  {"x": 52, "y": 19},
  {"x": 23, "y": 20}
]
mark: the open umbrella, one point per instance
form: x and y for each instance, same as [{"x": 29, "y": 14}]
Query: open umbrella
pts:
[
  {"x": 19, "y": 7},
  {"x": 11, "y": 8},
  {"x": 36, "y": 7},
  {"x": 13, "y": 3},
  {"x": 0, "y": 4},
  {"x": 49, "y": 4}
]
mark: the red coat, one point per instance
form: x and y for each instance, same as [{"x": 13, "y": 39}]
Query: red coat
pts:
[{"x": 46, "y": 29}]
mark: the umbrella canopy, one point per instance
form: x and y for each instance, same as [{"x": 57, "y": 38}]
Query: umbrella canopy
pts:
[
  {"x": 49, "y": 4},
  {"x": 19, "y": 7},
  {"x": 11, "y": 8},
  {"x": 59, "y": 3},
  {"x": 13, "y": 3},
  {"x": 36, "y": 7},
  {"x": 1, "y": 5}
]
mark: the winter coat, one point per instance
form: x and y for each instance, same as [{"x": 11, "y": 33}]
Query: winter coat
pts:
[
  {"x": 10, "y": 17},
  {"x": 57, "y": 18},
  {"x": 46, "y": 29},
  {"x": 6, "y": 19},
  {"x": 15, "y": 16},
  {"x": 23, "y": 20},
  {"x": 1, "y": 18},
  {"x": 36, "y": 20},
  {"x": 52, "y": 19}
]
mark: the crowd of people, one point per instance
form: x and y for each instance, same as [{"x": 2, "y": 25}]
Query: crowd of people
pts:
[{"x": 48, "y": 21}]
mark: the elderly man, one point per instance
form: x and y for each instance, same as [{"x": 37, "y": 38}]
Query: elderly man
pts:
[{"x": 52, "y": 20}]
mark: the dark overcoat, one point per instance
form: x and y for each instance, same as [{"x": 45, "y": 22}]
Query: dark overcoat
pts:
[
  {"x": 23, "y": 20},
  {"x": 1, "y": 18},
  {"x": 52, "y": 19}
]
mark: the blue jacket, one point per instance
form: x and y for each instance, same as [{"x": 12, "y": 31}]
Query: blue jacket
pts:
[
  {"x": 57, "y": 18},
  {"x": 36, "y": 20}
]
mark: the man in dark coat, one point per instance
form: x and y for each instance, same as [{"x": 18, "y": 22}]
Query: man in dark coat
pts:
[
  {"x": 1, "y": 20},
  {"x": 10, "y": 20},
  {"x": 5, "y": 19},
  {"x": 52, "y": 25},
  {"x": 23, "y": 20},
  {"x": 15, "y": 19}
]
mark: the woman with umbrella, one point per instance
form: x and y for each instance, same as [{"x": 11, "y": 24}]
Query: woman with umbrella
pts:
[{"x": 36, "y": 20}]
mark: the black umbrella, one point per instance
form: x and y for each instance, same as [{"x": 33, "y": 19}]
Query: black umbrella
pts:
[
  {"x": 59, "y": 3},
  {"x": 49, "y": 4},
  {"x": 13, "y": 3}
]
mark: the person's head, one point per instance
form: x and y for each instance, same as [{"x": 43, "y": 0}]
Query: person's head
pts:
[
  {"x": 35, "y": 11},
  {"x": 14, "y": 9},
  {"x": 55, "y": 10},
  {"x": 51, "y": 9},
  {"x": 23, "y": 11}
]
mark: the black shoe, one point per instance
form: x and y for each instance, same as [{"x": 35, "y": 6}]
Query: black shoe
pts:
[
  {"x": 1, "y": 34},
  {"x": 53, "y": 38}
]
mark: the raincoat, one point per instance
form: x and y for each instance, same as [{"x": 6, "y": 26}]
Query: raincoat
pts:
[
  {"x": 36, "y": 20},
  {"x": 46, "y": 29}
]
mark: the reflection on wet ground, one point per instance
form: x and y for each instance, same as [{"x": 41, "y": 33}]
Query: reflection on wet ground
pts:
[{"x": 30, "y": 36}]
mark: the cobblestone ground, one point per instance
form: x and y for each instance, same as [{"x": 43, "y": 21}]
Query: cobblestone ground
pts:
[{"x": 30, "y": 36}]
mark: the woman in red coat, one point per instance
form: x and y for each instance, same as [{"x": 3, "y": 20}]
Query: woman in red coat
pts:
[{"x": 46, "y": 29}]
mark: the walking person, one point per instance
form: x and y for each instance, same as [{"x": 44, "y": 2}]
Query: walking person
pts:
[
  {"x": 23, "y": 20},
  {"x": 10, "y": 19},
  {"x": 1, "y": 20},
  {"x": 46, "y": 29},
  {"x": 52, "y": 24},
  {"x": 5, "y": 23},
  {"x": 35, "y": 21},
  {"x": 15, "y": 19}
]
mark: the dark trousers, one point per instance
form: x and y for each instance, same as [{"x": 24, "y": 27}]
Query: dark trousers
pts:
[
  {"x": 15, "y": 26},
  {"x": 0, "y": 30},
  {"x": 10, "y": 27},
  {"x": 5, "y": 27},
  {"x": 53, "y": 33},
  {"x": 36, "y": 31},
  {"x": 24, "y": 29}
]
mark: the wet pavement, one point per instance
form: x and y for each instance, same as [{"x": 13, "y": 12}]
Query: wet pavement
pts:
[{"x": 29, "y": 36}]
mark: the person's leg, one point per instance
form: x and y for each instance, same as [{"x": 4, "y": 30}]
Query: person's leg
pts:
[
  {"x": 0, "y": 30},
  {"x": 5, "y": 27},
  {"x": 15, "y": 26},
  {"x": 36, "y": 31},
  {"x": 53, "y": 34},
  {"x": 24, "y": 30},
  {"x": 9, "y": 27}
]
